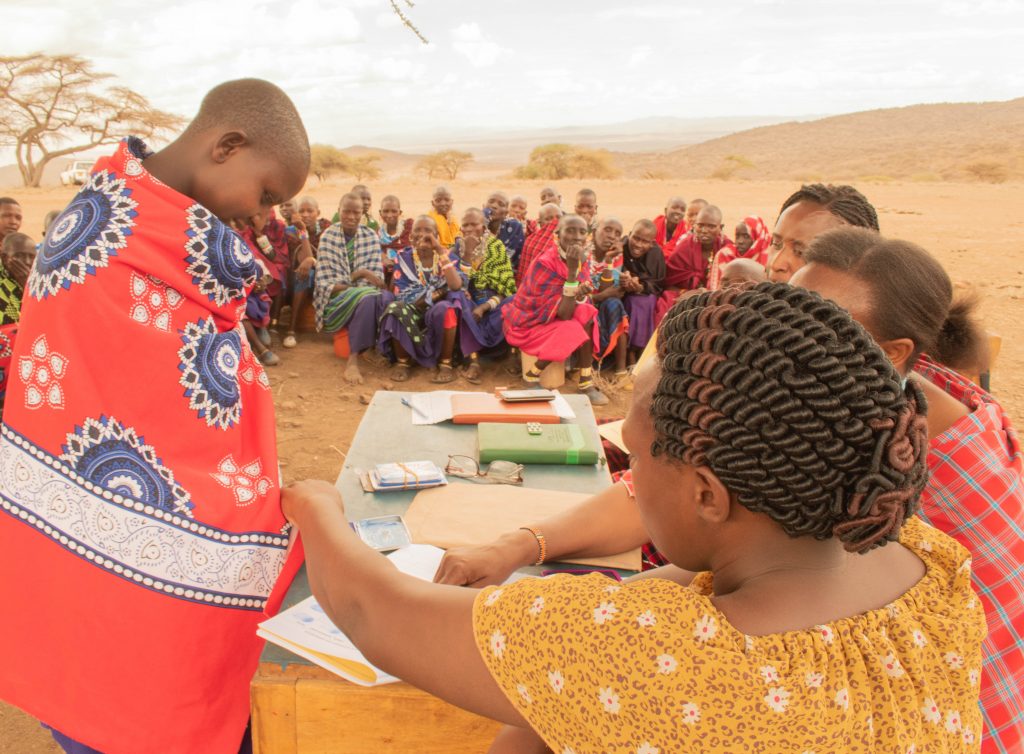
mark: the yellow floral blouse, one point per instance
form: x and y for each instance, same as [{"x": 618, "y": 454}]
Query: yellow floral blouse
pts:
[{"x": 652, "y": 667}]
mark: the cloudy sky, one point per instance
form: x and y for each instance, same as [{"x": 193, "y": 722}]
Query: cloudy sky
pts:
[{"x": 356, "y": 73}]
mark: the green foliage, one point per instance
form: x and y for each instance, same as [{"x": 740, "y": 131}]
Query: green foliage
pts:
[
  {"x": 557, "y": 161},
  {"x": 326, "y": 160},
  {"x": 445, "y": 164},
  {"x": 364, "y": 168}
]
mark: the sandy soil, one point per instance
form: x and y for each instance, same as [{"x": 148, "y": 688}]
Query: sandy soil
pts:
[{"x": 971, "y": 228}]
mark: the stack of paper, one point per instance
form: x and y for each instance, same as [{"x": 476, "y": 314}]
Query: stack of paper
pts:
[{"x": 307, "y": 631}]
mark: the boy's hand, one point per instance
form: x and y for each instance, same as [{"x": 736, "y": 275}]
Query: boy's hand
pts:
[{"x": 300, "y": 227}]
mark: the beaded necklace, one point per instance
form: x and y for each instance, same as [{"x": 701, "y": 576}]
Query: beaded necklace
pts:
[{"x": 435, "y": 267}]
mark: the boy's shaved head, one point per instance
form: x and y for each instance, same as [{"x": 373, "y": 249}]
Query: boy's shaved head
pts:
[{"x": 260, "y": 110}]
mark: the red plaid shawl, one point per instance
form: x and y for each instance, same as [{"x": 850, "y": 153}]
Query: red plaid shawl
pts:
[
  {"x": 536, "y": 244},
  {"x": 537, "y": 299},
  {"x": 142, "y": 533}
]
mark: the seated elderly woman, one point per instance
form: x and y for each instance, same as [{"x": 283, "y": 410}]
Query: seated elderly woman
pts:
[{"x": 799, "y": 632}]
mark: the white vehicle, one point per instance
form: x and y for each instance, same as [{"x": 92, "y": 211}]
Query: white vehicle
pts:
[{"x": 77, "y": 172}]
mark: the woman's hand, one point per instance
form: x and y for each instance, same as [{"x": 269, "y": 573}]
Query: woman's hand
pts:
[
  {"x": 299, "y": 497},
  {"x": 483, "y": 565}
]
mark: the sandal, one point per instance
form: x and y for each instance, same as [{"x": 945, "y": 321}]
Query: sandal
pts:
[
  {"x": 532, "y": 376},
  {"x": 472, "y": 373},
  {"x": 289, "y": 340},
  {"x": 400, "y": 372},
  {"x": 445, "y": 373}
]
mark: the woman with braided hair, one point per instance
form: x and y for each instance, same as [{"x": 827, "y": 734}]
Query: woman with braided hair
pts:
[
  {"x": 975, "y": 492},
  {"x": 776, "y": 449},
  {"x": 809, "y": 212}
]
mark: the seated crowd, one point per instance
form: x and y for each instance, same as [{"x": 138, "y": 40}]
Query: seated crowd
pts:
[
  {"x": 805, "y": 398},
  {"x": 440, "y": 290}
]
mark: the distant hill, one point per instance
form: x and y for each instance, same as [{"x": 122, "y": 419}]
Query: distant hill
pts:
[{"x": 920, "y": 142}]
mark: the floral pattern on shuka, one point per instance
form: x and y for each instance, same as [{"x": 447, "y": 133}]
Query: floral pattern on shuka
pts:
[{"x": 595, "y": 670}]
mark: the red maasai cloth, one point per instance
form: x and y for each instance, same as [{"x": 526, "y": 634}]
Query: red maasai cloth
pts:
[
  {"x": 142, "y": 532},
  {"x": 277, "y": 267},
  {"x": 536, "y": 244},
  {"x": 668, "y": 245},
  {"x": 7, "y": 335},
  {"x": 976, "y": 495},
  {"x": 685, "y": 270},
  {"x": 530, "y": 317},
  {"x": 758, "y": 251}
]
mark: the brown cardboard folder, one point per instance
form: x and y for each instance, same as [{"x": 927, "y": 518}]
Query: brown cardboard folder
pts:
[
  {"x": 474, "y": 408},
  {"x": 460, "y": 514}
]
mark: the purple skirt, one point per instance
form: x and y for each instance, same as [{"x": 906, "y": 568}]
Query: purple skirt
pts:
[
  {"x": 422, "y": 333},
  {"x": 641, "y": 318}
]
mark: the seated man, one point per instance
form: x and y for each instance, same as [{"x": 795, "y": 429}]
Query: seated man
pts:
[
  {"x": 586, "y": 207},
  {"x": 447, "y": 226},
  {"x": 363, "y": 192},
  {"x": 485, "y": 263},
  {"x": 541, "y": 240},
  {"x": 688, "y": 266},
  {"x": 17, "y": 254},
  {"x": 672, "y": 225},
  {"x": 517, "y": 209},
  {"x": 549, "y": 317},
  {"x": 349, "y": 293},
  {"x": 643, "y": 275},
  {"x": 10, "y": 216},
  {"x": 395, "y": 233},
  {"x": 423, "y": 322},
  {"x": 605, "y": 254},
  {"x": 304, "y": 230},
  {"x": 507, "y": 229},
  {"x": 692, "y": 210}
]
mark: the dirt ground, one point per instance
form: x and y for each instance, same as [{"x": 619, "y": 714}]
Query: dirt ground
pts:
[{"x": 972, "y": 229}]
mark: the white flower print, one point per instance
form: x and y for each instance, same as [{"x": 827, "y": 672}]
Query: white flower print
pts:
[
  {"x": 612, "y": 589},
  {"x": 691, "y": 713},
  {"x": 557, "y": 681},
  {"x": 605, "y": 612},
  {"x": 777, "y": 699},
  {"x": 926, "y": 546},
  {"x": 891, "y": 664},
  {"x": 952, "y": 721},
  {"x": 968, "y": 736},
  {"x": 871, "y": 724},
  {"x": 769, "y": 674},
  {"x": 920, "y": 640},
  {"x": 647, "y": 748},
  {"x": 537, "y": 606},
  {"x": 930, "y": 710},
  {"x": 827, "y": 634},
  {"x": 498, "y": 643},
  {"x": 954, "y": 660},
  {"x": 814, "y": 679},
  {"x": 706, "y": 628},
  {"x": 524, "y": 693},
  {"x": 971, "y": 603},
  {"x": 492, "y": 598},
  {"x": 972, "y": 676},
  {"x": 843, "y": 698},
  {"x": 912, "y": 749},
  {"x": 609, "y": 700},
  {"x": 567, "y": 750},
  {"x": 667, "y": 664},
  {"x": 646, "y": 619}
]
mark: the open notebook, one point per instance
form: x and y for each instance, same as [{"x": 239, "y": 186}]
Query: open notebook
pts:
[{"x": 306, "y": 630}]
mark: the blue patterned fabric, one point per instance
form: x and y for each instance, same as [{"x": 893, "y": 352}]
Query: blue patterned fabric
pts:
[{"x": 209, "y": 372}]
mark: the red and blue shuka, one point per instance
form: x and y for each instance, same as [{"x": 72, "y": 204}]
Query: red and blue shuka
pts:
[{"x": 142, "y": 532}]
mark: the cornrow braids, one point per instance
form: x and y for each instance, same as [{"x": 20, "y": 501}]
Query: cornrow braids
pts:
[
  {"x": 795, "y": 409},
  {"x": 845, "y": 202}
]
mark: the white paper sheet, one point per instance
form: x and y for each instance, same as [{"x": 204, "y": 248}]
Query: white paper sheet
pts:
[{"x": 436, "y": 407}]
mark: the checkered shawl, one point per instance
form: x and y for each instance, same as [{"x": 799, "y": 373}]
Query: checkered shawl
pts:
[
  {"x": 536, "y": 244},
  {"x": 976, "y": 495},
  {"x": 335, "y": 261},
  {"x": 536, "y": 301}
]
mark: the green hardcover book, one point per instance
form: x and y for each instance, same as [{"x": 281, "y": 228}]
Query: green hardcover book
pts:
[{"x": 549, "y": 443}]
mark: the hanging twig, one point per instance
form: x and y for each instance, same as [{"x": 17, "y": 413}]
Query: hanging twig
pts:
[{"x": 405, "y": 19}]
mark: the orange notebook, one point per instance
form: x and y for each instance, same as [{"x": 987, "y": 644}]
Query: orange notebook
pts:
[{"x": 473, "y": 408}]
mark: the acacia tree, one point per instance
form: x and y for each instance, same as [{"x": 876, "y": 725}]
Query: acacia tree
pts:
[
  {"x": 364, "y": 168},
  {"x": 325, "y": 160},
  {"x": 55, "y": 105},
  {"x": 446, "y": 163}
]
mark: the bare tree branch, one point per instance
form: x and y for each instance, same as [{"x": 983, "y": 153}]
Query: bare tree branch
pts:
[
  {"x": 47, "y": 101},
  {"x": 405, "y": 19}
]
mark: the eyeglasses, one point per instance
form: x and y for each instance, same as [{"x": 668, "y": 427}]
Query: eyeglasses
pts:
[{"x": 497, "y": 472}]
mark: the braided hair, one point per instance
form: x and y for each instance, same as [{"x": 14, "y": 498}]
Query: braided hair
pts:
[
  {"x": 845, "y": 202},
  {"x": 795, "y": 409}
]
